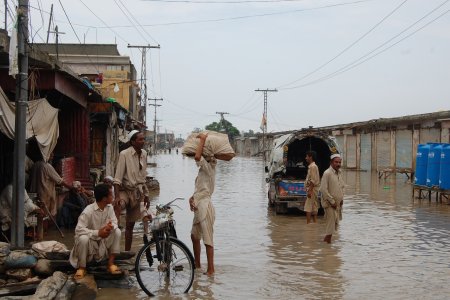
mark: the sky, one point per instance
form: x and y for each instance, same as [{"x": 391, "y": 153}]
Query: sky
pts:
[{"x": 331, "y": 61}]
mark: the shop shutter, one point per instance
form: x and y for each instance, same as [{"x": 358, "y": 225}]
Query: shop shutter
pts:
[
  {"x": 340, "y": 143},
  {"x": 383, "y": 149},
  {"x": 351, "y": 152},
  {"x": 403, "y": 149},
  {"x": 366, "y": 151},
  {"x": 430, "y": 135}
]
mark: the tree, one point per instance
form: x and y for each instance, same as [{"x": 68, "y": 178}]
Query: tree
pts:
[{"x": 223, "y": 126}]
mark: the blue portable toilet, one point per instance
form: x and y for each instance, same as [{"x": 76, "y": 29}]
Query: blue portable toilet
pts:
[
  {"x": 444, "y": 176},
  {"x": 434, "y": 164},
  {"x": 420, "y": 175}
]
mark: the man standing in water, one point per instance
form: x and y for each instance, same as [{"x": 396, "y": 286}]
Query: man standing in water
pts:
[
  {"x": 201, "y": 204},
  {"x": 129, "y": 184},
  {"x": 312, "y": 183},
  {"x": 332, "y": 188}
]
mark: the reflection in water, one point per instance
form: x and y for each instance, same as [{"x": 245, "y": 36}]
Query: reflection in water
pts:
[{"x": 388, "y": 246}]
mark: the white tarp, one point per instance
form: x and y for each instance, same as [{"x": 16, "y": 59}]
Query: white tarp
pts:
[{"x": 42, "y": 122}]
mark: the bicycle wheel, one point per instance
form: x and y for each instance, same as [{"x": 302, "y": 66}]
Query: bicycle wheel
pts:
[{"x": 171, "y": 275}]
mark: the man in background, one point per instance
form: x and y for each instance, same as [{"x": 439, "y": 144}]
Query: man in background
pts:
[
  {"x": 130, "y": 190},
  {"x": 332, "y": 188}
]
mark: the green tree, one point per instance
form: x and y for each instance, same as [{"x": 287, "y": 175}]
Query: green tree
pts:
[{"x": 223, "y": 126}]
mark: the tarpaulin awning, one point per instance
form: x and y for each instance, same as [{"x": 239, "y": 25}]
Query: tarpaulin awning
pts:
[{"x": 41, "y": 118}]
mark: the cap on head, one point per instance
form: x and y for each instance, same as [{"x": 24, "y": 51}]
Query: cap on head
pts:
[
  {"x": 76, "y": 184},
  {"x": 336, "y": 155},
  {"x": 109, "y": 177},
  {"x": 132, "y": 133}
]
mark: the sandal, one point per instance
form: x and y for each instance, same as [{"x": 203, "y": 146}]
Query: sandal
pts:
[
  {"x": 81, "y": 272},
  {"x": 114, "y": 270}
]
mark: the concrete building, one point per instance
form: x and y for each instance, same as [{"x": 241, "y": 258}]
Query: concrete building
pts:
[{"x": 376, "y": 144}]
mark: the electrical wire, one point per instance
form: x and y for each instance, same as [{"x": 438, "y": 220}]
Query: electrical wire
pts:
[
  {"x": 246, "y": 16},
  {"x": 79, "y": 41},
  {"x": 126, "y": 15},
  {"x": 143, "y": 29},
  {"x": 106, "y": 25},
  {"x": 348, "y": 47},
  {"x": 223, "y": 2},
  {"x": 362, "y": 59}
]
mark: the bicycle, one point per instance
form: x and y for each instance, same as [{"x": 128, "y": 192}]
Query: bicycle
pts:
[{"x": 164, "y": 265}]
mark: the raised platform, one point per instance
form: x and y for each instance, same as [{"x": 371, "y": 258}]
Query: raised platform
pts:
[{"x": 426, "y": 192}]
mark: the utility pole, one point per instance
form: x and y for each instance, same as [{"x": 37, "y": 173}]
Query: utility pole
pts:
[
  {"x": 143, "y": 84},
  {"x": 17, "y": 232},
  {"x": 57, "y": 40},
  {"x": 154, "y": 121},
  {"x": 49, "y": 22},
  {"x": 222, "y": 119},
  {"x": 264, "y": 123}
]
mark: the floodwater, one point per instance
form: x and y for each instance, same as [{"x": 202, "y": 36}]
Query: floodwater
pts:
[{"x": 388, "y": 246}]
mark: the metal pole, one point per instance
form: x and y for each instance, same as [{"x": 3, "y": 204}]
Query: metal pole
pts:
[
  {"x": 264, "y": 129},
  {"x": 154, "y": 122},
  {"x": 17, "y": 228},
  {"x": 49, "y": 22}
]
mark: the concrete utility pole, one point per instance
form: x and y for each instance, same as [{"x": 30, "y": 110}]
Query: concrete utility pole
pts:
[
  {"x": 143, "y": 84},
  {"x": 49, "y": 22},
  {"x": 222, "y": 119},
  {"x": 154, "y": 121},
  {"x": 17, "y": 232},
  {"x": 264, "y": 129},
  {"x": 57, "y": 33}
]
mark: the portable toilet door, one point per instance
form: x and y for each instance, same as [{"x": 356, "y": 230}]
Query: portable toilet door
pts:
[
  {"x": 444, "y": 176},
  {"x": 420, "y": 174},
  {"x": 434, "y": 161}
]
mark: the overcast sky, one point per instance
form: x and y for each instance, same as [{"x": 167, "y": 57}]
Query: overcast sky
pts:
[{"x": 332, "y": 61}]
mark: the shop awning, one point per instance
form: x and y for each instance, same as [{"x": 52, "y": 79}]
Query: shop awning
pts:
[{"x": 42, "y": 122}]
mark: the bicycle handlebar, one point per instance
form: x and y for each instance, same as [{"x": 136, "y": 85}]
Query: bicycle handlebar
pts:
[{"x": 167, "y": 205}]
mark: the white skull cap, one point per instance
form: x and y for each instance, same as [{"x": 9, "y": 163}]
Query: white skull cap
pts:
[
  {"x": 335, "y": 155},
  {"x": 131, "y": 133}
]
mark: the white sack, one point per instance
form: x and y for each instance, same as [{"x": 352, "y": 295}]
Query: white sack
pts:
[{"x": 216, "y": 143}]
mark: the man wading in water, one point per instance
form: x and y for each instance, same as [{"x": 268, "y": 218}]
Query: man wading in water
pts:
[{"x": 332, "y": 188}]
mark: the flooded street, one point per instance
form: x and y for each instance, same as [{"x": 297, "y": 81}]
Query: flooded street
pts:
[{"x": 387, "y": 246}]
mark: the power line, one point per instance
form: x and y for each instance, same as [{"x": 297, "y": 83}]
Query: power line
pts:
[
  {"x": 361, "y": 59},
  {"x": 346, "y": 48},
  {"x": 110, "y": 28},
  {"x": 222, "y": 2},
  {"x": 245, "y": 16},
  {"x": 143, "y": 29}
]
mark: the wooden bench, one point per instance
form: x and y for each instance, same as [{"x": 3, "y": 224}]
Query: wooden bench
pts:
[{"x": 387, "y": 171}]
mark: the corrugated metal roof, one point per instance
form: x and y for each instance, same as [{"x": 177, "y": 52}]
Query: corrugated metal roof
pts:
[{"x": 79, "y": 49}]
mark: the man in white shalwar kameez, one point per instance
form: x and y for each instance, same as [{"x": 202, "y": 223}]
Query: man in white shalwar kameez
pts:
[
  {"x": 312, "y": 184},
  {"x": 332, "y": 188},
  {"x": 201, "y": 205},
  {"x": 97, "y": 236}
]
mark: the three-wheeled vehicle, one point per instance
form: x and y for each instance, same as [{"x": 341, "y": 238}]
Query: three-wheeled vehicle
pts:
[{"x": 288, "y": 168}]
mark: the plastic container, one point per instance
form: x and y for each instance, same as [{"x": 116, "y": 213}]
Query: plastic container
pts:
[
  {"x": 420, "y": 174},
  {"x": 444, "y": 176},
  {"x": 434, "y": 164}
]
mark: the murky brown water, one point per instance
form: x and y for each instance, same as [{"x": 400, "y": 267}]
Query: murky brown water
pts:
[{"x": 388, "y": 246}]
